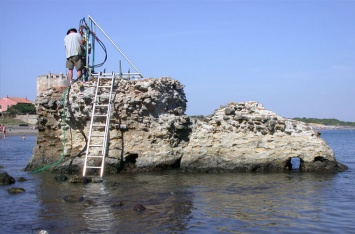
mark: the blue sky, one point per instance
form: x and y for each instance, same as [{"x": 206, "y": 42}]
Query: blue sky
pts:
[{"x": 297, "y": 58}]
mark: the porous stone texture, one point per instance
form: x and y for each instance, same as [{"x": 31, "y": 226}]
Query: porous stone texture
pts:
[
  {"x": 245, "y": 136},
  {"x": 149, "y": 131}
]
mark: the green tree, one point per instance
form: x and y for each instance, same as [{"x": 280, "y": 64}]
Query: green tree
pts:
[
  {"x": 21, "y": 109},
  {"x": 329, "y": 122}
]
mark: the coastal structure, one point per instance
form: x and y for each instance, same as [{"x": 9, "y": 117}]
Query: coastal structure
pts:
[
  {"x": 47, "y": 81},
  {"x": 149, "y": 130}
]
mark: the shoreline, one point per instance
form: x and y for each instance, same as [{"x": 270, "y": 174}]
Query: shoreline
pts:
[{"x": 20, "y": 131}]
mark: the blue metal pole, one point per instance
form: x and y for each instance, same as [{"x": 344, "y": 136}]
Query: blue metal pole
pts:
[{"x": 92, "y": 43}]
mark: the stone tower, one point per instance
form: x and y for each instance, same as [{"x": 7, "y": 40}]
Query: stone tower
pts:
[{"x": 49, "y": 80}]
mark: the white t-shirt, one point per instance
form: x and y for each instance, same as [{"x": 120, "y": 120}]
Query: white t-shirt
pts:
[{"x": 72, "y": 44}]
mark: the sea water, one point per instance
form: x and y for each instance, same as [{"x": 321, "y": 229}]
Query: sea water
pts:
[{"x": 176, "y": 202}]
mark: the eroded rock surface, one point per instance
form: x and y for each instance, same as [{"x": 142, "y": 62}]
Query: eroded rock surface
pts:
[
  {"x": 150, "y": 131},
  {"x": 245, "y": 136}
]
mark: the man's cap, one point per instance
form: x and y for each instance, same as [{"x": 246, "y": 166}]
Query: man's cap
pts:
[{"x": 72, "y": 30}]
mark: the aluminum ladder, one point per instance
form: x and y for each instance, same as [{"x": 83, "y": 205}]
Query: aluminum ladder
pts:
[{"x": 100, "y": 123}]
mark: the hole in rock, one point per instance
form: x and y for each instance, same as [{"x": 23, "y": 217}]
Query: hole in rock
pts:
[
  {"x": 295, "y": 163},
  {"x": 319, "y": 159},
  {"x": 131, "y": 158}
]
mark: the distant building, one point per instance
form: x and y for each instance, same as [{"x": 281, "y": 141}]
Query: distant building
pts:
[
  {"x": 49, "y": 80},
  {"x": 7, "y": 101}
]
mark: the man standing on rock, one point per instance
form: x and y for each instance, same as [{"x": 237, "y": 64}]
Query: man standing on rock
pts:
[{"x": 72, "y": 42}]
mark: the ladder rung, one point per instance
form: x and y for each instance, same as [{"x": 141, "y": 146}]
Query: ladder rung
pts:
[
  {"x": 95, "y": 145},
  {"x": 100, "y": 96},
  {"x": 102, "y": 100},
  {"x": 97, "y": 135},
  {"x": 99, "y": 125}
]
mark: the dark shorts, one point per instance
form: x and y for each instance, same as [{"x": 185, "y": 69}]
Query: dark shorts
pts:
[{"x": 74, "y": 61}]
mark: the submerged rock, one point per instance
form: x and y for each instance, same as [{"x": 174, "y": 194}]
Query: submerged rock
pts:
[
  {"x": 61, "y": 177},
  {"x": 139, "y": 207},
  {"x": 15, "y": 190},
  {"x": 6, "y": 179},
  {"x": 22, "y": 179},
  {"x": 150, "y": 131},
  {"x": 79, "y": 179},
  {"x": 117, "y": 204},
  {"x": 73, "y": 198}
]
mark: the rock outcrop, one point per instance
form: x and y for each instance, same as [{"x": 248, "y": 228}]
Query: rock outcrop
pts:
[
  {"x": 245, "y": 136},
  {"x": 149, "y": 130},
  {"x": 6, "y": 179}
]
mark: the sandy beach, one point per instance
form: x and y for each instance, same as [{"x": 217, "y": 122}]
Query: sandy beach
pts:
[{"x": 20, "y": 131}]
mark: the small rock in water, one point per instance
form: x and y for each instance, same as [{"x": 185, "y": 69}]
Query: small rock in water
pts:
[
  {"x": 22, "y": 179},
  {"x": 139, "y": 207},
  {"x": 61, "y": 178},
  {"x": 15, "y": 190},
  {"x": 111, "y": 184},
  {"x": 6, "y": 178},
  {"x": 43, "y": 232},
  {"x": 79, "y": 179},
  {"x": 96, "y": 179},
  {"x": 73, "y": 198},
  {"x": 116, "y": 204},
  {"x": 89, "y": 202}
]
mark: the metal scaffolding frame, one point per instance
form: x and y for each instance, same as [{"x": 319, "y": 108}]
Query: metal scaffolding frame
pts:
[{"x": 128, "y": 75}]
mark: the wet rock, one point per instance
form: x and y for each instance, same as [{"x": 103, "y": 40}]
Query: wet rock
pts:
[
  {"x": 43, "y": 232},
  {"x": 73, "y": 198},
  {"x": 89, "y": 202},
  {"x": 15, "y": 190},
  {"x": 112, "y": 183},
  {"x": 79, "y": 179},
  {"x": 6, "y": 179},
  {"x": 322, "y": 164},
  {"x": 139, "y": 207},
  {"x": 61, "y": 177},
  {"x": 40, "y": 231},
  {"x": 117, "y": 204},
  {"x": 22, "y": 179},
  {"x": 96, "y": 179}
]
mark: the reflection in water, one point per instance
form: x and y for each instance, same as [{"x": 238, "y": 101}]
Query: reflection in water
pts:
[
  {"x": 180, "y": 202},
  {"x": 168, "y": 204},
  {"x": 184, "y": 202},
  {"x": 177, "y": 202},
  {"x": 97, "y": 214}
]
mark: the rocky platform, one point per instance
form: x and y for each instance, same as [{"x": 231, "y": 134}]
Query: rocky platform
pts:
[{"x": 150, "y": 131}]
